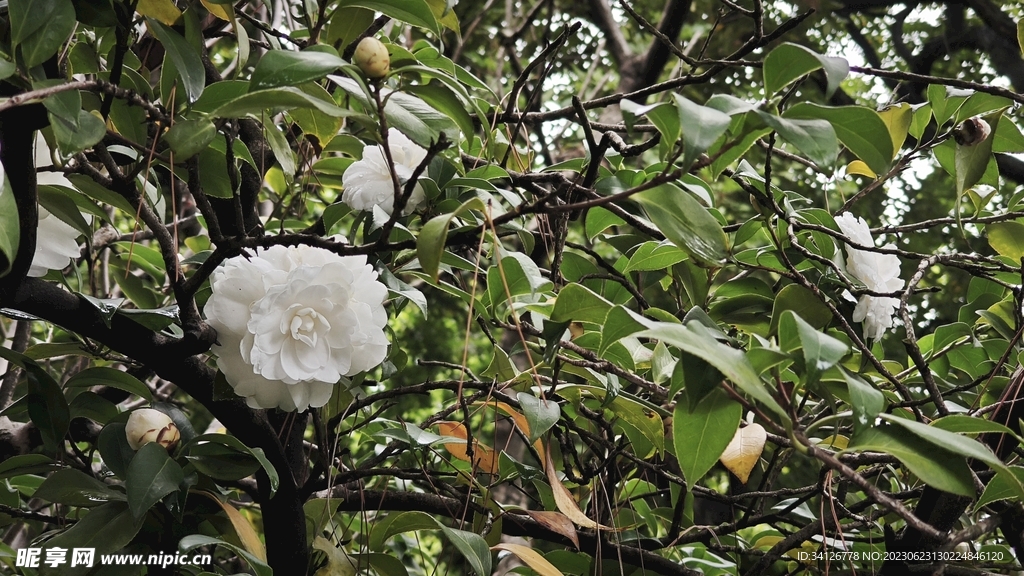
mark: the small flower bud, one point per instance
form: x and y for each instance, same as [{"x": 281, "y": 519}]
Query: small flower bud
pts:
[
  {"x": 971, "y": 131},
  {"x": 372, "y": 58},
  {"x": 147, "y": 425}
]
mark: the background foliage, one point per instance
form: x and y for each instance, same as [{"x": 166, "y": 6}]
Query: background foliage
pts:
[{"x": 629, "y": 255}]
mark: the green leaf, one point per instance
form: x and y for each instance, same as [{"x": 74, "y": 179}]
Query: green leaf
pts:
[
  {"x": 860, "y": 129},
  {"x": 280, "y": 147},
  {"x": 919, "y": 122},
  {"x": 313, "y": 122},
  {"x": 221, "y": 462},
  {"x": 953, "y": 442},
  {"x": 190, "y": 137},
  {"x": 184, "y": 57},
  {"x": 40, "y": 28},
  {"x": 74, "y": 137},
  {"x": 694, "y": 338},
  {"x": 27, "y": 464},
  {"x": 472, "y": 546},
  {"x": 193, "y": 541},
  {"x": 151, "y": 476},
  {"x": 74, "y": 488},
  {"x": 410, "y": 114},
  {"x": 10, "y": 229},
  {"x": 398, "y": 523},
  {"x": 347, "y": 24},
  {"x": 415, "y": 12},
  {"x": 287, "y": 68},
  {"x": 540, "y": 414},
  {"x": 701, "y": 127},
  {"x": 443, "y": 99},
  {"x": 282, "y": 98},
  {"x": 804, "y": 303},
  {"x": 232, "y": 442},
  {"x": 90, "y": 188},
  {"x": 1002, "y": 487},
  {"x": 434, "y": 234},
  {"x": 579, "y": 303},
  {"x": 1020, "y": 36},
  {"x": 685, "y": 222},
  {"x": 1007, "y": 238},
  {"x": 60, "y": 202},
  {"x": 112, "y": 377},
  {"x": 47, "y": 407},
  {"x": 663, "y": 115},
  {"x": 971, "y": 161},
  {"x": 619, "y": 323},
  {"x": 114, "y": 449},
  {"x": 815, "y": 138},
  {"x": 701, "y": 431},
  {"x": 934, "y": 465},
  {"x": 107, "y": 529},
  {"x": 600, "y": 219},
  {"x": 214, "y": 177},
  {"x": 820, "y": 351},
  {"x": 654, "y": 256},
  {"x": 866, "y": 400},
  {"x": 787, "y": 62},
  {"x": 963, "y": 423}
]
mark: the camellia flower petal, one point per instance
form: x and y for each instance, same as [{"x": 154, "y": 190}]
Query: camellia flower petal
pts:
[
  {"x": 368, "y": 183},
  {"x": 878, "y": 272},
  {"x": 56, "y": 244},
  {"x": 291, "y": 321}
]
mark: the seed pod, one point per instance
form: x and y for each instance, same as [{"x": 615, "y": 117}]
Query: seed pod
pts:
[
  {"x": 372, "y": 58},
  {"x": 147, "y": 425},
  {"x": 971, "y": 131}
]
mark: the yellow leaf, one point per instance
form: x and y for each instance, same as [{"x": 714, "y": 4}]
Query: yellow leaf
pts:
[
  {"x": 338, "y": 562},
  {"x": 835, "y": 442},
  {"x": 521, "y": 423},
  {"x": 485, "y": 458},
  {"x": 243, "y": 528},
  {"x": 163, "y": 10},
  {"x": 554, "y": 521},
  {"x": 564, "y": 501},
  {"x": 860, "y": 168},
  {"x": 444, "y": 16},
  {"x": 222, "y": 11},
  {"x": 531, "y": 558},
  {"x": 897, "y": 118},
  {"x": 744, "y": 451}
]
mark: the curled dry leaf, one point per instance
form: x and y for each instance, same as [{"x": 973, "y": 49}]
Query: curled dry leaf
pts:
[
  {"x": 243, "y": 528},
  {"x": 565, "y": 502},
  {"x": 530, "y": 557},
  {"x": 485, "y": 458},
  {"x": 744, "y": 450},
  {"x": 555, "y": 521}
]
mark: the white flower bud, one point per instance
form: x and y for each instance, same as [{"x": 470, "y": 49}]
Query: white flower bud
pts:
[
  {"x": 147, "y": 425},
  {"x": 372, "y": 58}
]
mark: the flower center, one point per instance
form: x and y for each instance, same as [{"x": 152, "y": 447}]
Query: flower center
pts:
[{"x": 304, "y": 326}]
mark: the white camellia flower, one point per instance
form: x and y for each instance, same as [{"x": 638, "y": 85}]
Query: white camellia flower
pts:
[
  {"x": 367, "y": 182},
  {"x": 878, "y": 272},
  {"x": 291, "y": 321}
]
